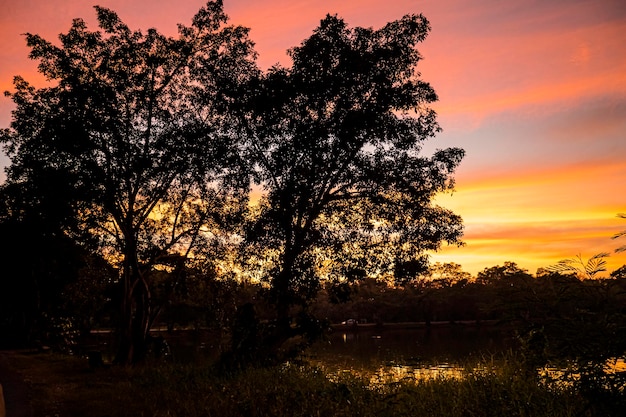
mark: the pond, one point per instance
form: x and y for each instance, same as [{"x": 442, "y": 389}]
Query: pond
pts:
[{"x": 396, "y": 352}]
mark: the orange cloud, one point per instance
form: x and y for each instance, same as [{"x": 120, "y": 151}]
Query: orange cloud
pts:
[
  {"x": 534, "y": 245},
  {"x": 537, "y": 218}
]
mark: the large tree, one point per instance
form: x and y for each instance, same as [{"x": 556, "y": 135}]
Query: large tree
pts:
[
  {"x": 337, "y": 139},
  {"x": 135, "y": 124}
]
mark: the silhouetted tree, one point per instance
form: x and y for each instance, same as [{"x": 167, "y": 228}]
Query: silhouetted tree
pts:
[
  {"x": 447, "y": 274},
  {"x": 507, "y": 291},
  {"x": 336, "y": 138},
  {"x": 497, "y": 273},
  {"x": 135, "y": 123},
  {"x": 619, "y": 273}
]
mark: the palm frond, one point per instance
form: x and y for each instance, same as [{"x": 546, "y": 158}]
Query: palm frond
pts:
[
  {"x": 596, "y": 264},
  {"x": 578, "y": 266},
  {"x": 620, "y": 234},
  {"x": 565, "y": 265}
]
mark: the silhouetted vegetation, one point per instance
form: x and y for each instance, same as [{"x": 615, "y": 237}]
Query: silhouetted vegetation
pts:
[
  {"x": 493, "y": 389},
  {"x": 127, "y": 206},
  {"x": 335, "y": 141},
  {"x": 620, "y": 234},
  {"x": 136, "y": 126},
  {"x": 144, "y": 149}
]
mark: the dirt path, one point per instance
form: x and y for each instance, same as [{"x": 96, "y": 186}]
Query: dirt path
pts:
[{"x": 16, "y": 391}]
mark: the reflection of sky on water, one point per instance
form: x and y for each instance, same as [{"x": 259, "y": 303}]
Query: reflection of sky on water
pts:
[
  {"x": 388, "y": 374},
  {"x": 384, "y": 357},
  {"x": 567, "y": 374},
  {"x": 389, "y": 355}
]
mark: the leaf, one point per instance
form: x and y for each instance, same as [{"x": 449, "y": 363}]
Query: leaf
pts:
[{"x": 578, "y": 266}]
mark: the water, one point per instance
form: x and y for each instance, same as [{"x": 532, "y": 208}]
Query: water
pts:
[
  {"x": 394, "y": 353},
  {"x": 387, "y": 352},
  {"x": 390, "y": 353}
]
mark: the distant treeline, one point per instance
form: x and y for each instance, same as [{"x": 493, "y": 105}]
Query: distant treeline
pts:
[{"x": 507, "y": 294}]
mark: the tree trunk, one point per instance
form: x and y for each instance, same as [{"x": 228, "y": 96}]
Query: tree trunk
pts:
[
  {"x": 283, "y": 299},
  {"x": 133, "y": 326}
]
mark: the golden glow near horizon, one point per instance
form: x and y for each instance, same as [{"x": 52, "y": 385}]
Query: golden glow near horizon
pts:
[
  {"x": 537, "y": 219},
  {"x": 535, "y": 94}
]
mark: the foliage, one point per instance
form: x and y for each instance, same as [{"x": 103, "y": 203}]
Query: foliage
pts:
[
  {"x": 191, "y": 390},
  {"x": 197, "y": 297},
  {"x": 516, "y": 298},
  {"x": 62, "y": 334},
  {"x": 135, "y": 125},
  {"x": 448, "y": 274},
  {"x": 620, "y": 234},
  {"x": 336, "y": 139},
  {"x": 581, "y": 329},
  {"x": 38, "y": 262},
  {"x": 577, "y": 266},
  {"x": 303, "y": 391},
  {"x": 619, "y": 273},
  {"x": 574, "y": 327},
  {"x": 497, "y": 273},
  {"x": 141, "y": 147}
]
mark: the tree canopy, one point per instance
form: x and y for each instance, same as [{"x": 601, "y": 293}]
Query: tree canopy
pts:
[
  {"x": 143, "y": 146},
  {"x": 136, "y": 125},
  {"x": 336, "y": 140}
]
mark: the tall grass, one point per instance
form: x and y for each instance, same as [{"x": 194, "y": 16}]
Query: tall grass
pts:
[
  {"x": 176, "y": 390},
  {"x": 65, "y": 386}
]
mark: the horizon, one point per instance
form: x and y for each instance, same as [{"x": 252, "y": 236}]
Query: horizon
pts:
[{"x": 535, "y": 93}]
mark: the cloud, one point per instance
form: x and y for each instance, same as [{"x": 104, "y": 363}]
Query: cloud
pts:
[
  {"x": 535, "y": 245},
  {"x": 537, "y": 218},
  {"x": 603, "y": 119},
  {"x": 520, "y": 58},
  {"x": 533, "y": 90}
]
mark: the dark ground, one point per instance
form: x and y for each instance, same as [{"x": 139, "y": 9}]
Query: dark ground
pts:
[{"x": 16, "y": 391}]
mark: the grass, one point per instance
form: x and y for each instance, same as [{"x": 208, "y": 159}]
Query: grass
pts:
[{"x": 65, "y": 386}]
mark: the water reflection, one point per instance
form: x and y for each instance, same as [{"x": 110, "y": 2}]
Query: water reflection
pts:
[
  {"x": 385, "y": 355},
  {"x": 388, "y": 374},
  {"x": 569, "y": 373}
]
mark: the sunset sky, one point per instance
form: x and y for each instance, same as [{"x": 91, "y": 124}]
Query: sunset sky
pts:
[{"x": 533, "y": 90}]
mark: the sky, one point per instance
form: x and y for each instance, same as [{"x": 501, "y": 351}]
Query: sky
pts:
[{"x": 533, "y": 90}]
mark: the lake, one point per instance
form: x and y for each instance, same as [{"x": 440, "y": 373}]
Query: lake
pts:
[
  {"x": 388, "y": 351},
  {"x": 395, "y": 352}
]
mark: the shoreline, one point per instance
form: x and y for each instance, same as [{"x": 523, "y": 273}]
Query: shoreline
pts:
[{"x": 414, "y": 325}]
